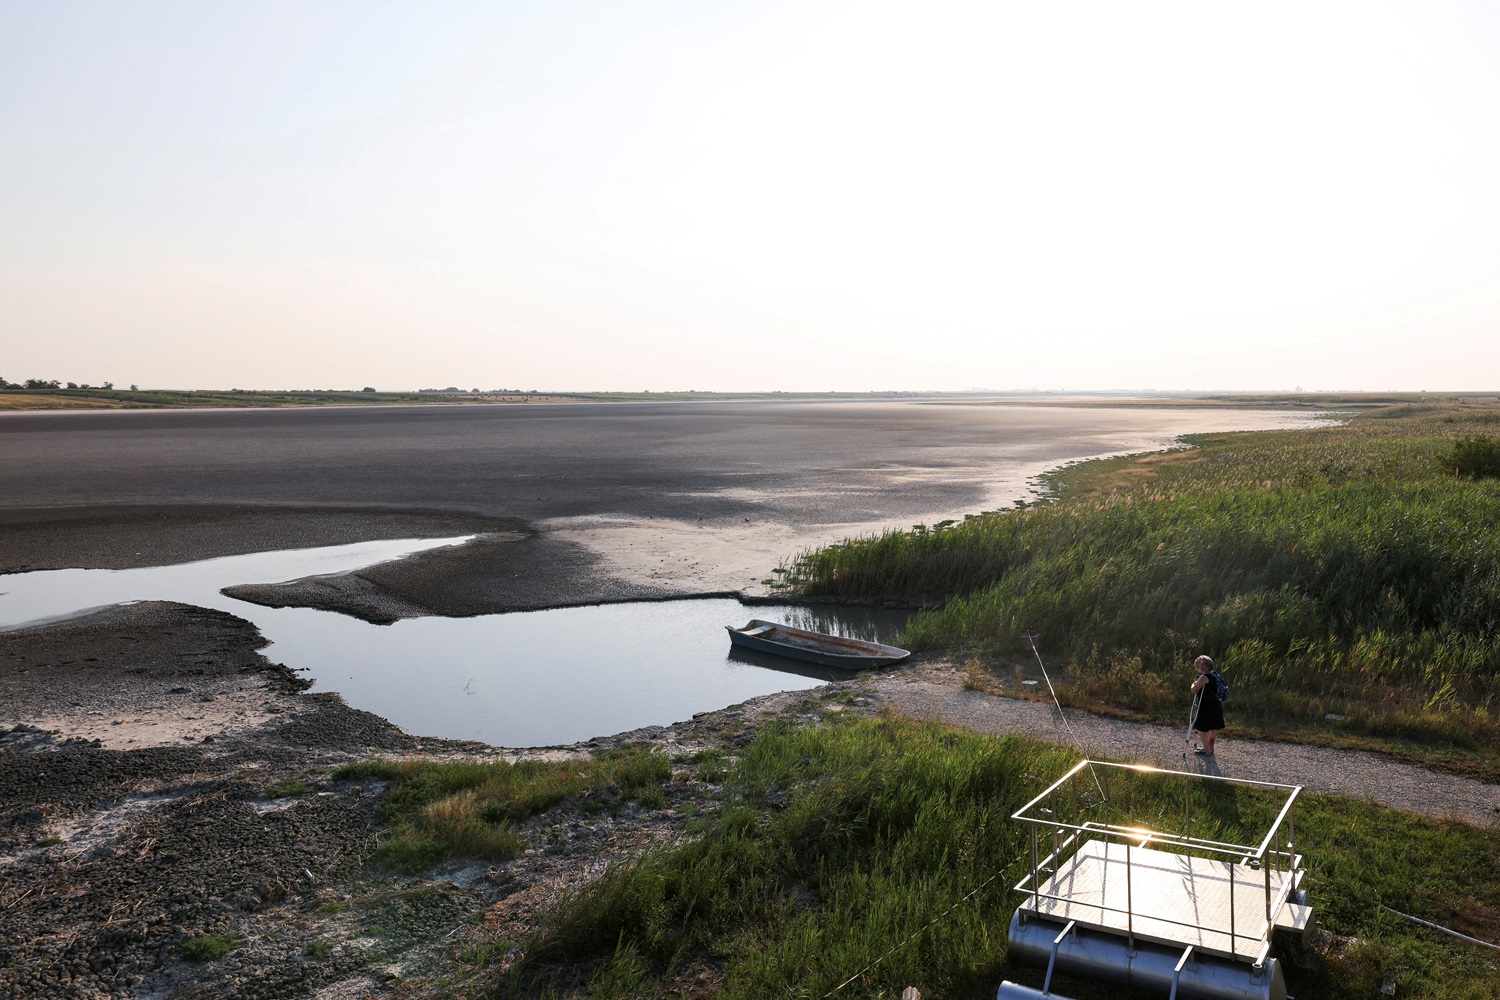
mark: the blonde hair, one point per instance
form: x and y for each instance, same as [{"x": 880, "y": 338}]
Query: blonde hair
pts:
[{"x": 1207, "y": 661}]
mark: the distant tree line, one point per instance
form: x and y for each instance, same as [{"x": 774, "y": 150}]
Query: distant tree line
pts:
[
  {"x": 482, "y": 392},
  {"x": 52, "y": 383}
]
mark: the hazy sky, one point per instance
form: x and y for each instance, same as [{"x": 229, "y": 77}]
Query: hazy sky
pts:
[{"x": 654, "y": 194}]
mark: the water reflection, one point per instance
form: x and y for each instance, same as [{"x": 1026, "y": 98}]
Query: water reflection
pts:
[
  {"x": 525, "y": 679},
  {"x": 771, "y": 661}
]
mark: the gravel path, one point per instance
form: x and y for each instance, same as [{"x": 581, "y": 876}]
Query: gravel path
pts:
[{"x": 1322, "y": 769}]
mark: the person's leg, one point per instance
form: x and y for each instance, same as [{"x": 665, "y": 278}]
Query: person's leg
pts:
[{"x": 1207, "y": 739}]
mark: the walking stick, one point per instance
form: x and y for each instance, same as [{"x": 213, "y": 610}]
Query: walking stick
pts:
[{"x": 1192, "y": 718}]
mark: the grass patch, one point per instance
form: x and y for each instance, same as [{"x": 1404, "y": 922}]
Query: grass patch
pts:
[
  {"x": 318, "y": 949},
  {"x": 470, "y": 809},
  {"x": 287, "y": 788},
  {"x": 211, "y": 946},
  {"x": 1338, "y": 570},
  {"x": 838, "y": 843}
]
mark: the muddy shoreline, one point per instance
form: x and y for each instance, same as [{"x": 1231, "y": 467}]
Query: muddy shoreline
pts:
[
  {"x": 145, "y": 753},
  {"x": 173, "y": 784}
]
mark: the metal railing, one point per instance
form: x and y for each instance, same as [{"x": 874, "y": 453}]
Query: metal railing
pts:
[{"x": 1068, "y": 836}]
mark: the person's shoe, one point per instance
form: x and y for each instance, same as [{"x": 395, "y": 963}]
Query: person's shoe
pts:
[{"x": 1201, "y": 751}]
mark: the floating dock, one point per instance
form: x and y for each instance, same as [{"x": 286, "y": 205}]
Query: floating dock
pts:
[{"x": 1108, "y": 899}]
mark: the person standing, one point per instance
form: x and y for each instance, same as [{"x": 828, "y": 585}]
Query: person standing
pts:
[{"x": 1210, "y": 716}]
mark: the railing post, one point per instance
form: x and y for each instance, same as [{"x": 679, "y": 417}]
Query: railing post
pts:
[
  {"x": 1052, "y": 805},
  {"x": 1129, "y": 902},
  {"x": 1035, "y": 888},
  {"x": 1267, "y": 869},
  {"x": 1232, "y": 955},
  {"x": 1187, "y": 806},
  {"x": 1291, "y": 820}
]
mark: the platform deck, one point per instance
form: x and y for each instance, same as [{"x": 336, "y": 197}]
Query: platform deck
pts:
[{"x": 1167, "y": 892}]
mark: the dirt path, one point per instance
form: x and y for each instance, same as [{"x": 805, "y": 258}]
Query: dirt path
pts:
[{"x": 933, "y": 693}]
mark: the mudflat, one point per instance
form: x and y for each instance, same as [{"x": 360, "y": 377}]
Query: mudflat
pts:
[{"x": 578, "y": 502}]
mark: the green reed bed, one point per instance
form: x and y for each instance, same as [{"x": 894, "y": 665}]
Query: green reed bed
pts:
[
  {"x": 1342, "y": 570},
  {"x": 833, "y": 845}
]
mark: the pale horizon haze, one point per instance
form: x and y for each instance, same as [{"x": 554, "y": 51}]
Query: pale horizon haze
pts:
[{"x": 737, "y": 196}]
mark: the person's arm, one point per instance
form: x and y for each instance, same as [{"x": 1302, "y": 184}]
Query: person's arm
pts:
[{"x": 1198, "y": 684}]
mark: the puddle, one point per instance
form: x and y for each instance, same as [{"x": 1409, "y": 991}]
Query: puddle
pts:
[{"x": 536, "y": 678}]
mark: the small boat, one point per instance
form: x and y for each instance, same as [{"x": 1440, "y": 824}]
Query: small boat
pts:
[{"x": 800, "y": 644}]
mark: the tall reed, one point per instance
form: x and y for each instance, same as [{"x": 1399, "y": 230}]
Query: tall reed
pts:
[{"x": 1338, "y": 569}]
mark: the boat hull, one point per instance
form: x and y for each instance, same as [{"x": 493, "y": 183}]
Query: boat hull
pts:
[{"x": 814, "y": 647}]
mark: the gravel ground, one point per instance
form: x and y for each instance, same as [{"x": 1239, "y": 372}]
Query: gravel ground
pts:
[{"x": 935, "y": 691}]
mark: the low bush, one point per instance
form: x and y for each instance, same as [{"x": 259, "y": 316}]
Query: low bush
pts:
[{"x": 1476, "y": 456}]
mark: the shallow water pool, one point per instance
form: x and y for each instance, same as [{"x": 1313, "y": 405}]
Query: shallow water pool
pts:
[{"x": 534, "y": 678}]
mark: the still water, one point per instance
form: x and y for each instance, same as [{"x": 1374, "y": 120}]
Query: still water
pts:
[{"x": 533, "y": 678}]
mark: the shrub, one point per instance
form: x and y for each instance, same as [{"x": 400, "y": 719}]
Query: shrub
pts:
[{"x": 1476, "y": 456}]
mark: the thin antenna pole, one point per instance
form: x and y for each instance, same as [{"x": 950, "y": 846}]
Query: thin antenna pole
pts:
[{"x": 1031, "y": 638}]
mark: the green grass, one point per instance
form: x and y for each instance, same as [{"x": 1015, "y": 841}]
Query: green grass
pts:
[
  {"x": 211, "y": 946},
  {"x": 318, "y": 949},
  {"x": 287, "y": 788},
  {"x": 470, "y": 809},
  {"x": 1336, "y": 570},
  {"x": 836, "y": 844}
]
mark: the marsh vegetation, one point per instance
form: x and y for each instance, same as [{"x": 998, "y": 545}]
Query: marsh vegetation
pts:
[
  {"x": 834, "y": 846},
  {"x": 1348, "y": 570}
]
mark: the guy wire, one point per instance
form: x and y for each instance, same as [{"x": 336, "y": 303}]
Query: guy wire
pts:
[
  {"x": 1031, "y": 638},
  {"x": 928, "y": 926}
]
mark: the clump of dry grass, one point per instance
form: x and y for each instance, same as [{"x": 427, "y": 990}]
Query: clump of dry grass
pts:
[{"x": 976, "y": 678}]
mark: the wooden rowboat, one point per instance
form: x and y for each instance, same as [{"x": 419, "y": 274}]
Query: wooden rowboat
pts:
[{"x": 800, "y": 644}]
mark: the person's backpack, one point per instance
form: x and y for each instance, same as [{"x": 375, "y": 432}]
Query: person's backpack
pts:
[{"x": 1221, "y": 690}]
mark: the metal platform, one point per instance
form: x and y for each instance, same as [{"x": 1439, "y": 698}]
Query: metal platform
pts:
[
  {"x": 1217, "y": 907},
  {"x": 1110, "y": 898}
]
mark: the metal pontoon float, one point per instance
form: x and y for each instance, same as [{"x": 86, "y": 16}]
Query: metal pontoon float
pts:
[{"x": 1188, "y": 916}]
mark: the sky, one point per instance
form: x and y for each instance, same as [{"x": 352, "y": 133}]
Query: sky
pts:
[{"x": 805, "y": 196}]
